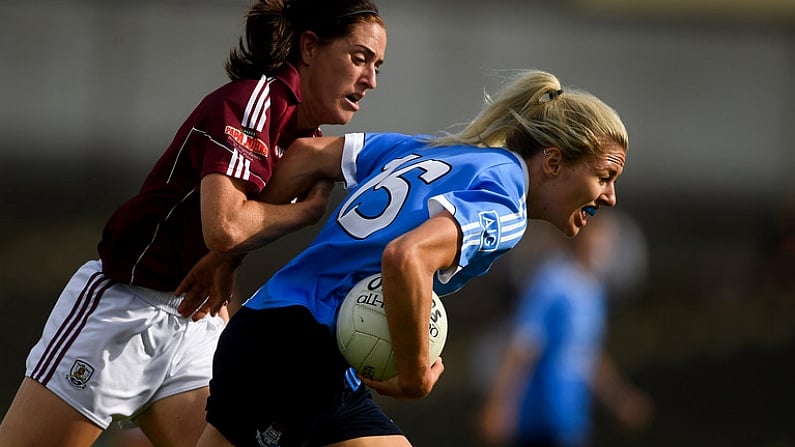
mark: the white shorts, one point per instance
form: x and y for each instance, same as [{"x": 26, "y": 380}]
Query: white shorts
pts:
[{"x": 110, "y": 350}]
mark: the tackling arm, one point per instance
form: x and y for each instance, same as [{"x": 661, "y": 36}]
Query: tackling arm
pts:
[
  {"x": 233, "y": 224},
  {"x": 304, "y": 162}
]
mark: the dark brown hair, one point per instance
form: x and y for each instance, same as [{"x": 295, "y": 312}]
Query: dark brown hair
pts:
[{"x": 273, "y": 29}]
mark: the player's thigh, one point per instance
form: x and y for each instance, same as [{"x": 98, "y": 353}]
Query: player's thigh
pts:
[
  {"x": 39, "y": 418},
  {"x": 374, "y": 441},
  {"x": 176, "y": 420},
  {"x": 211, "y": 437},
  {"x": 126, "y": 437}
]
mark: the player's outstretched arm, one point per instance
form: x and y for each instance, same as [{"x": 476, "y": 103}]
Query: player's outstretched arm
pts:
[
  {"x": 209, "y": 283},
  {"x": 306, "y": 161},
  {"x": 296, "y": 196},
  {"x": 233, "y": 224}
]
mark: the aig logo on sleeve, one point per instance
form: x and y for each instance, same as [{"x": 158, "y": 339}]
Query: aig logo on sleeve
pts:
[{"x": 490, "y": 223}]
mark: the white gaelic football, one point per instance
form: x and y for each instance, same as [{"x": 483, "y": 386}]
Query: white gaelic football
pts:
[{"x": 363, "y": 332}]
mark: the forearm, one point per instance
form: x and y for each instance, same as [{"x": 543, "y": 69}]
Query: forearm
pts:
[
  {"x": 407, "y": 302},
  {"x": 304, "y": 162},
  {"x": 258, "y": 223},
  {"x": 408, "y": 266},
  {"x": 234, "y": 223}
]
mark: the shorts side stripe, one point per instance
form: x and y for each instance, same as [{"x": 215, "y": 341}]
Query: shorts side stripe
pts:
[
  {"x": 54, "y": 343},
  {"x": 94, "y": 304},
  {"x": 71, "y": 327}
]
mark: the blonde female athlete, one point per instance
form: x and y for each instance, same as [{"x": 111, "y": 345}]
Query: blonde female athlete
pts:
[{"x": 429, "y": 214}]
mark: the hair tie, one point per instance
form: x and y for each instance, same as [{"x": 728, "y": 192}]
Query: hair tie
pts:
[
  {"x": 342, "y": 17},
  {"x": 550, "y": 95}
]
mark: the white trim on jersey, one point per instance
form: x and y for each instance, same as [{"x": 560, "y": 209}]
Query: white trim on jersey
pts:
[
  {"x": 259, "y": 102},
  {"x": 252, "y": 100},
  {"x": 154, "y": 234},
  {"x": 353, "y": 144},
  {"x": 239, "y": 166},
  {"x": 264, "y": 116},
  {"x": 185, "y": 143},
  {"x": 472, "y": 232}
]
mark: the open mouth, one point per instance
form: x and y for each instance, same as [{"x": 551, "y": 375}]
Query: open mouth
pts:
[
  {"x": 355, "y": 98},
  {"x": 590, "y": 210}
]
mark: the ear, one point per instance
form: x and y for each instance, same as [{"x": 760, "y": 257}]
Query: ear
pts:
[
  {"x": 309, "y": 43},
  {"x": 552, "y": 161}
]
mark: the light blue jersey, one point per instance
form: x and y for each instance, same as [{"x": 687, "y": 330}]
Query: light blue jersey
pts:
[
  {"x": 563, "y": 312},
  {"x": 396, "y": 182}
]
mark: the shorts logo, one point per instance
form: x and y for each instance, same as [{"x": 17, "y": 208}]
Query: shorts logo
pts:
[
  {"x": 246, "y": 139},
  {"x": 269, "y": 438},
  {"x": 490, "y": 223},
  {"x": 80, "y": 374}
]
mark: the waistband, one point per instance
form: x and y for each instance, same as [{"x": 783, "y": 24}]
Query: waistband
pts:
[{"x": 165, "y": 301}]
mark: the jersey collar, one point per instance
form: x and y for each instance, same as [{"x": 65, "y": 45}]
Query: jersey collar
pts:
[{"x": 288, "y": 74}]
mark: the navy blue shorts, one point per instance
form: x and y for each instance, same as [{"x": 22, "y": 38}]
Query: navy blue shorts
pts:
[{"x": 279, "y": 379}]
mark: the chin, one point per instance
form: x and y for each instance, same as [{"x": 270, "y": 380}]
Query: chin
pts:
[
  {"x": 568, "y": 229},
  {"x": 347, "y": 118},
  {"x": 335, "y": 121},
  {"x": 571, "y": 230},
  {"x": 337, "y": 118},
  {"x": 343, "y": 117}
]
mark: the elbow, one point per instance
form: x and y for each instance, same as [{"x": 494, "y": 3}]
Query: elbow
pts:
[
  {"x": 224, "y": 239},
  {"x": 221, "y": 245},
  {"x": 399, "y": 256},
  {"x": 415, "y": 257}
]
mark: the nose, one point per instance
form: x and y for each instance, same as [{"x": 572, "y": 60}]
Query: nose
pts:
[
  {"x": 369, "y": 75},
  {"x": 608, "y": 197}
]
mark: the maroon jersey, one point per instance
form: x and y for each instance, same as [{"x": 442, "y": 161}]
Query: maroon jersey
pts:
[{"x": 239, "y": 130}]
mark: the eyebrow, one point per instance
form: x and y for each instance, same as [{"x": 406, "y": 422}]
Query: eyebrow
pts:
[{"x": 366, "y": 49}]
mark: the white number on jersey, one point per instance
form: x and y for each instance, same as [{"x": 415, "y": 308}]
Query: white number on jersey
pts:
[{"x": 397, "y": 188}]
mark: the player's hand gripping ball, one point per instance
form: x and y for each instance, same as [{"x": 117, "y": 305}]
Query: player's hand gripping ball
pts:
[{"x": 363, "y": 332}]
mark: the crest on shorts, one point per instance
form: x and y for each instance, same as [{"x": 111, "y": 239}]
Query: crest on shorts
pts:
[
  {"x": 269, "y": 438},
  {"x": 80, "y": 373}
]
